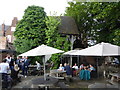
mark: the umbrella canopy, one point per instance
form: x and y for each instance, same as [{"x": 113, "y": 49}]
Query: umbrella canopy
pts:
[
  {"x": 101, "y": 49},
  {"x": 41, "y": 50},
  {"x": 69, "y": 52}
]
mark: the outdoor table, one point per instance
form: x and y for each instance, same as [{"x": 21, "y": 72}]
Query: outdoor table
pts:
[
  {"x": 33, "y": 68},
  {"x": 57, "y": 73},
  {"x": 84, "y": 75}
]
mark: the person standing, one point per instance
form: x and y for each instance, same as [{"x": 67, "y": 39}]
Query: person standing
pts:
[
  {"x": 22, "y": 65},
  {"x": 38, "y": 65},
  {"x": 26, "y": 64},
  {"x": 4, "y": 68},
  {"x": 67, "y": 69},
  {"x": 12, "y": 63},
  {"x": 18, "y": 61},
  {"x": 8, "y": 58}
]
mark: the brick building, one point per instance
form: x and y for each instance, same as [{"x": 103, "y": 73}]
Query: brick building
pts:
[{"x": 7, "y": 38}]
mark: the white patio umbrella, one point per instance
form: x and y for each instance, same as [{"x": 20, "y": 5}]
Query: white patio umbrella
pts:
[
  {"x": 40, "y": 51},
  {"x": 101, "y": 49},
  {"x": 69, "y": 52}
]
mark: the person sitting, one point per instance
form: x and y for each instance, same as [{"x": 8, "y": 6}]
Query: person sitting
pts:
[
  {"x": 61, "y": 68},
  {"x": 91, "y": 68},
  {"x": 116, "y": 61},
  {"x": 81, "y": 66},
  {"x": 92, "y": 71},
  {"x": 84, "y": 74},
  {"x": 74, "y": 69},
  {"x": 75, "y": 66}
]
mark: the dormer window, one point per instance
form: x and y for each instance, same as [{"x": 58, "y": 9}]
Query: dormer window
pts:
[
  {"x": 9, "y": 38},
  {"x": 13, "y": 28}
]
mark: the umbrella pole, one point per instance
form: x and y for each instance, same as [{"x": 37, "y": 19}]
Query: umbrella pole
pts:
[
  {"x": 44, "y": 67},
  {"x": 97, "y": 68}
]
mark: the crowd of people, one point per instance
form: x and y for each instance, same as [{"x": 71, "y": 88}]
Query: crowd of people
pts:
[
  {"x": 75, "y": 70},
  {"x": 10, "y": 67}
]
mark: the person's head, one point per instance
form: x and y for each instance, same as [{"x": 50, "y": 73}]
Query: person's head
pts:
[
  {"x": 90, "y": 65},
  {"x": 65, "y": 64},
  {"x": 60, "y": 65},
  {"x": 82, "y": 64},
  {"x": 85, "y": 67},
  {"x": 18, "y": 57},
  {"x": 36, "y": 62},
  {"x": 75, "y": 64},
  {"x": 4, "y": 60},
  {"x": 13, "y": 56},
  {"x": 22, "y": 57},
  {"x": 25, "y": 57},
  {"x": 8, "y": 56}
]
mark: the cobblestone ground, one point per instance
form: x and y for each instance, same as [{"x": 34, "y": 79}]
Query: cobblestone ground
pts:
[{"x": 75, "y": 83}]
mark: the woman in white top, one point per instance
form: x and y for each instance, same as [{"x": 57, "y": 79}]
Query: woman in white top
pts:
[{"x": 75, "y": 66}]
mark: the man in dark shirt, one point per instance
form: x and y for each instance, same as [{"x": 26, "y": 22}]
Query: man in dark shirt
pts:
[
  {"x": 26, "y": 64},
  {"x": 67, "y": 69}
]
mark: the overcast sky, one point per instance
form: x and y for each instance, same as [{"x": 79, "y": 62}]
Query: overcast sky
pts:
[{"x": 15, "y": 8}]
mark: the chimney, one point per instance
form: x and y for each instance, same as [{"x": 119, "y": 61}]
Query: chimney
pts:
[
  {"x": 3, "y": 29},
  {"x": 14, "y": 22}
]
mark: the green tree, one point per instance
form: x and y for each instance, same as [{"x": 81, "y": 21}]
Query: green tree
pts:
[
  {"x": 54, "y": 39},
  {"x": 30, "y": 31},
  {"x": 97, "y": 21},
  {"x": 81, "y": 13},
  {"x": 107, "y": 16}
]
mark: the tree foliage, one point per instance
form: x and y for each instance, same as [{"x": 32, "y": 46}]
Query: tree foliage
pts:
[
  {"x": 54, "y": 39},
  {"x": 97, "y": 21},
  {"x": 107, "y": 18},
  {"x": 80, "y": 12},
  {"x": 30, "y": 31}
]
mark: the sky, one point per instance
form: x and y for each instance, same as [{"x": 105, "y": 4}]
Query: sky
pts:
[{"x": 15, "y": 8}]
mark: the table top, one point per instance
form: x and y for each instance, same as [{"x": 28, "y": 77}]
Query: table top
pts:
[
  {"x": 32, "y": 66},
  {"x": 57, "y": 71},
  {"x": 115, "y": 74}
]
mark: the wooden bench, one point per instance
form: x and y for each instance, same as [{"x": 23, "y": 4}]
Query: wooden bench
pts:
[
  {"x": 115, "y": 77},
  {"x": 69, "y": 78}
]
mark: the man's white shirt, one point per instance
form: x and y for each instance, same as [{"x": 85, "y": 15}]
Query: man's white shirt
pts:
[{"x": 4, "y": 67}]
